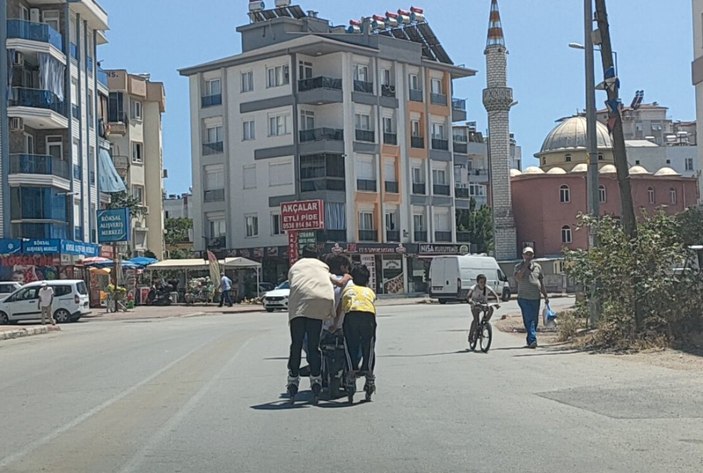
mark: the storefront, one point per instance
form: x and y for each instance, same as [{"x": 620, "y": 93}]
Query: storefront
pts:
[{"x": 27, "y": 261}]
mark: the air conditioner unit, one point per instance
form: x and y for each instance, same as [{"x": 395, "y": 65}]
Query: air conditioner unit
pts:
[
  {"x": 16, "y": 124},
  {"x": 34, "y": 15},
  {"x": 17, "y": 59}
]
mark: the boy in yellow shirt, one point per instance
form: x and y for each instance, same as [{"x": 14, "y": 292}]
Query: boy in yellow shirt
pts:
[{"x": 360, "y": 328}]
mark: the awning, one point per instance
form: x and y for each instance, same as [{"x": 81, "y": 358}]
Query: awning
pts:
[
  {"x": 240, "y": 263},
  {"x": 110, "y": 180}
]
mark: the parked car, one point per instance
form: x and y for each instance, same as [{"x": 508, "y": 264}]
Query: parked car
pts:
[
  {"x": 70, "y": 302},
  {"x": 278, "y": 298},
  {"x": 8, "y": 287}
]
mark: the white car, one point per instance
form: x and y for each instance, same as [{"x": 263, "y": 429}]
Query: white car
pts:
[
  {"x": 278, "y": 298},
  {"x": 71, "y": 302},
  {"x": 8, "y": 287}
]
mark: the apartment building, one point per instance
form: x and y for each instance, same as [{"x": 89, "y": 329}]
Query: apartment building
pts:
[
  {"x": 178, "y": 206},
  {"x": 51, "y": 106},
  {"x": 134, "y": 129}
]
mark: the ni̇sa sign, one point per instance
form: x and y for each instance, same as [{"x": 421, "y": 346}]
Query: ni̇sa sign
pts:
[{"x": 303, "y": 215}]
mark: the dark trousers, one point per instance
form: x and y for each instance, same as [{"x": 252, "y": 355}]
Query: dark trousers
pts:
[
  {"x": 225, "y": 297},
  {"x": 299, "y": 328},
  {"x": 360, "y": 332}
]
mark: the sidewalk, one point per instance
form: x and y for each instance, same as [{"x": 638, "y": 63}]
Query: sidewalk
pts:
[{"x": 9, "y": 332}]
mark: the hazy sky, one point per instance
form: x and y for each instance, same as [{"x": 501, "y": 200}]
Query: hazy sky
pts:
[{"x": 653, "y": 39}]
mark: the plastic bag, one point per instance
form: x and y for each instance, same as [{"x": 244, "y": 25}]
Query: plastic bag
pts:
[{"x": 549, "y": 317}]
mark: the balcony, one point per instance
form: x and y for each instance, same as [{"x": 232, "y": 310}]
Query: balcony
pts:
[
  {"x": 321, "y": 82},
  {"x": 419, "y": 188},
  {"x": 40, "y": 32},
  {"x": 416, "y": 95},
  {"x": 368, "y": 235},
  {"x": 391, "y": 187},
  {"x": 331, "y": 235},
  {"x": 388, "y": 90},
  {"x": 321, "y": 134},
  {"x": 211, "y": 100},
  {"x": 320, "y": 90},
  {"x": 117, "y": 123},
  {"x": 461, "y": 192},
  {"x": 441, "y": 144},
  {"x": 443, "y": 236},
  {"x": 366, "y": 135},
  {"x": 460, "y": 145},
  {"x": 390, "y": 139},
  {"x": 213, "y": 148},
  {"x": 36, "y": 98},
  {"x": 366, "y": 185},
  {"x": 463, "y": 237},
  {"x": 216, "y": 195},
  {"x": 417, "y": 142},
  {"x": 392, "y": 235},
  {"x": 420, "y": 235},
  {"x": 478, "y": 175},
  {"x": 322, "y": 184},
  {"x": 102, "y": 77},
  {"x": 38, "y": 164},
  {"x": 438, "y": 99},
  {"x": 459, "y": 104},
  {"x": 458, "y": 110},
  {"x": 440, "y": 189},
  {"x": 363, "y": 86},
  {"x": 75, "y": 52}
]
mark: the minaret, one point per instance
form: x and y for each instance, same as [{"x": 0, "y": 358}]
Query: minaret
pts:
[{"x": 498, "y": 98}]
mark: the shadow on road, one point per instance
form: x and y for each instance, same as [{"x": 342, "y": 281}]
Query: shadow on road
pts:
[
  {"x": 304, "y": 400},
  {"x": 423, "y": 355}
]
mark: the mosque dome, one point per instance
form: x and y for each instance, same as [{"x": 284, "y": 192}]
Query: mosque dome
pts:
[
  {"x": 608, "y": 169},
  {"x": 581, "y": 167},
  {"x": 515, "y": 172},
  {"x": 533, "y": 170},
  {"x": 638, "y": 170},
  {"x": 666, "y": 171},
  {"x": 556, "y": 170},
  {"x": 571, "y": 134}
]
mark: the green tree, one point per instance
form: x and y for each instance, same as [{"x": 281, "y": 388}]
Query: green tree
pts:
[
  {"x": 121, "y": 200},
  {"x": 478, "y": 223},
  {"x": 177, "y": 230}
]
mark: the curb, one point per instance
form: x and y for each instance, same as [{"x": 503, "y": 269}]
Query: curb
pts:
[{"x": 27, "y": 332}]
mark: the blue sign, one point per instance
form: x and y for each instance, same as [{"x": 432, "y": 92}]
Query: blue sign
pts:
[
  {"x": 79, "y": 248},
  {"x": 9, "y": 247},
  {"x": 113, "y": 225},
  {"x": 41, "y": 247}
]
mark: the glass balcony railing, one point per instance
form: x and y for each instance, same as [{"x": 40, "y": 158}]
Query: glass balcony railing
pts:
[
  {"x": 440, "y": 144},
  {"x": 321, "y": 134},
  {"x": 440, "y": 189},
  {"x": 443, "y": 236},
  {"x": 368, "y": 235},
  {"x": 459, "y": 104},
  {"x": 38, "y": 164},
  {"x": 420, "y": 235},
  {"x": 319, "y": 83},
  {"x": 438, "y": 99},
  {"x": 392, "y": 235},
  {"x": 366, "y": 185},
  {"x": 417, "y": 142},
  {"x": 215, "y": 195},
  {"x": 460, "y": 147},
  {"x": 210, "y": 100},
  {"x": 391, "y": 187},
  {"x": 416, "y": 95},
  {"x": 366, "y": 135},
  {"x": 34, "y": 32},
  {"x": 213, "y": 148},
  {"x": 36, "y": 98},
  {"x": 363, "y": 86},
  {"x": 461, "y": 192},
  {"x": 419, "y": 188},
  {"x": 388, "y": 90},
  {"x": 102, "y": 77},
  {"x": 390, "y": 139}
]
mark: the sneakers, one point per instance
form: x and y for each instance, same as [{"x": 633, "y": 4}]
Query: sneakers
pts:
[{"x": 532, "y": 345}]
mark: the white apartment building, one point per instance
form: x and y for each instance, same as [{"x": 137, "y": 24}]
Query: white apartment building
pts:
[
  {"x": 178, "y": 206},
  {"x": 135, "y": 109}
]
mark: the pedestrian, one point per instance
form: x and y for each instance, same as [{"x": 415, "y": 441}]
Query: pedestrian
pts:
[
  {"x": 225, "y": 288},
  {"x": 311, "y": 301},
  {"x": 530, "y": 288},
  {"x": 46, "y": 298}
]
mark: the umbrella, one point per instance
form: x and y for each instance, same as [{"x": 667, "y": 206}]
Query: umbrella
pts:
[
  {"x": 142, "y": 261},
  {"x": 96, "y": 260}
]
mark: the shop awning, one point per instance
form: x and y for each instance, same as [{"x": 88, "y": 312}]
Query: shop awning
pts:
[
  {"x": 110, "y": 180},
  {"x": 190, "y": 264},
  {"x": 230, "y": 263}
]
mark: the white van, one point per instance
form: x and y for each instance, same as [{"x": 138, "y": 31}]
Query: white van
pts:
[
  {"x": 452, "y": 276},
  {"x": 71, "y": 302}
]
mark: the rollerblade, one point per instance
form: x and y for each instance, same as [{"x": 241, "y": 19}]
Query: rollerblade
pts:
[
  {"x": 370, "y": 386},
  {"x": 350, "y": 386},
  {"x": 316, "y": 388},
  {"x": 292, "y": 387}
]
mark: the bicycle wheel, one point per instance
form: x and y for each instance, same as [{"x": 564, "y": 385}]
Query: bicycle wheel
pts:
[
  {"x": 486, "y": 336},
  {"x": 472, "y": 342}
]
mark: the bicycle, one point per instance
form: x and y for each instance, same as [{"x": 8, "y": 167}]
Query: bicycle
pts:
[
  {"x": 113, "y": 304},
  {"x": 483, "y": 336}
]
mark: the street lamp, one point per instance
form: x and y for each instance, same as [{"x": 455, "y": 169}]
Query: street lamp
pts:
[{"x": 581, "y": 46}]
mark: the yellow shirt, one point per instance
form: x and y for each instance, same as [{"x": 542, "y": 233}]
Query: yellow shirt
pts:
[{"x": 359, "y": 299}]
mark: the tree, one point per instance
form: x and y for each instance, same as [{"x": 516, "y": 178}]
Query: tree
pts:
[
  {"x": 177, "y": 230},
  {"x": 122, "y": 200},
  {"x": 478, "y": 222}
]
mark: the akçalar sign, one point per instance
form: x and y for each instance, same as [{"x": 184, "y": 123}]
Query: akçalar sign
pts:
[{"x": 303, "y": 215}]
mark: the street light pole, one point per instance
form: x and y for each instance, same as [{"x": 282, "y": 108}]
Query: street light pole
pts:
[{"x": 591, "y": 138}]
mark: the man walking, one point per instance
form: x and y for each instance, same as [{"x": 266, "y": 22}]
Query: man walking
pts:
[
  {"x": 46, "y": 298},
  {"x": 225, "y": 288},
  {"x": 530, "y": 288}
]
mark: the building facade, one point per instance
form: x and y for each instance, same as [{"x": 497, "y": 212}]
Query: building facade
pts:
[
  {"x": 178, "y": 206},
  {"x": 134, "y": 128}
]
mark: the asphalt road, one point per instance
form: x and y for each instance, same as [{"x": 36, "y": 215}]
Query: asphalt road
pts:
[{"x": 203, "y": 394}]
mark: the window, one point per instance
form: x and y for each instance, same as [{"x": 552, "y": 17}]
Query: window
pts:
[
  {"x": 217, "y": 228},
  {"x": 388, "y": 125},
  {"x": 366, "y": 221},
  {"x": 438, "y": 131},
  {"x": 389, "y": 170},
  {"x": 304, "y": 70},
  {"x": 136, "y": 109},
  {"x": 248, "y": 130},
  {"x": 277, "y": 76},
  {"x": 566, "y": 234},
  {"x": 249, "y": 176},
  {"x": 437, "y": 86},
  {"x": 89, "y": 107},
  {"x": 391, "y": 221},
  {"x": 214, "y": 134},
  {"x": 24, "y": 13},
  {"x": 386, "y": 77},
  {"x": 279, "y": 125},
  {"x": 439, "y": 176},
  {"x": 276, "y": 228},
  {"x": 213, "y": 87},
  {"x": 138, "y": 193},
  {"x": 414, "y": 81},
  {"x": 252, "y": 225},
  {"x": 214, "y": 177},
  {"x": 602, "y": 196},
  {"x": 418, "y": 222},
  {"x": 307, "y": 120},
  {"x": 115, "y": 108},
  {"x": 415, "y": 128},
  {"x": 363, "y": 122},
  {"x": 54, "y": 146},
  {"x": 567, "y": 158},
  {"x": 280, "y": 174},
  {"x": 361, "y": 72},
  {"x": 137, "y": 152},
  {"x": 564, "y": 195},
  {"x": 672, "y": 195},
  {"x": 52, "y": 18},
  {"x": 689, "y": 164},
  {"x": 418, "y": 176},
  {"x": 650, "y": 195},
  {"x": 248, "y": 81},
  {"x": 477, "y": 190}
]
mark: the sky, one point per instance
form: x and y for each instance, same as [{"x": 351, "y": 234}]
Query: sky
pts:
[{"x": 652, "y": 38}]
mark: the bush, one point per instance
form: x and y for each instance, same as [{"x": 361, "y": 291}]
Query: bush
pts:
[{"x": 568, "y": 325}]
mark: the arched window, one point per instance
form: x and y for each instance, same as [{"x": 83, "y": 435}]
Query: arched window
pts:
[
  {"x": 567, "y": 158},
  {"x": 564, "y": 194},
  {"x": 672, "y": 195},
  {"x": 566, "y": 234},
  {"x": 650, "y": 195},
  {"x": 602, "y": 196}
]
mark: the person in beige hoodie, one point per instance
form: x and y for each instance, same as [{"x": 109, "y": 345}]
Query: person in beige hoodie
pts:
[{"x": 311, "y": 301}]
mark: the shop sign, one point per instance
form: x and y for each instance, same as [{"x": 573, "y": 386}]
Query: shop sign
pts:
[
  {"x": 440, "y": 249},
  {"x": 9, "y": 247},
  {"x": 370, "y": 248},
  {"x": 41, "y": 247},
  {"x": 293, "y": 254},
  {"x": 113, "y": 225},
  {"x": 302, "y": 215},
  {"x": 370, "y": 262},
  {"x": 79, "y": 248}
]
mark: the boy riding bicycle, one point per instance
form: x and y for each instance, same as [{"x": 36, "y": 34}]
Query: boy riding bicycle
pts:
[{"x": 478, "y": 296}]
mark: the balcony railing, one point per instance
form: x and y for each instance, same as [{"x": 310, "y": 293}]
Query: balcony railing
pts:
[
  {"x": 34, "y": 32},
  {"x": 417, "y": 142},
  {"x": 392, "y": 235},
  {"x": 368, "y": 235},
  {"x": 440, "y": 189},
  {"x": 461, "y": 192},
  {"x": 75, "y": 52},
  {"x": 363, "y": 86},
  {"x": 320, "y": 134},
  {"x": 213, "y": 148},
  {"x": 419, "y": 188},
  {"x": 38, "y": 164},
  {"x": 366, "y": 135},
  {"x": 102, "y": 77},
  {"x": 388, "y": 90},
  {"x": 439, "y": 143},
  {"x": 438, "y": 99},
  {"x": 460, "y": 147},
  {"x": 443, "y": 236},
  {"x": 420, "y": 235},
  {"x": 390, "y": 139},
  {"x": 210, "y": 100},
  {"x": 391, "y": 187},
  {"x": 319, "y": 83},
  {"x": 36, "y": 98},
  {"x": 459, "y": 104},
  {"x": 331, "y": 235},
  {"x": 322, "y": 184},
  {"x": 366, "y": 185},
  {"x": 216, "y": 195},
  {"x": 416, "y": 95},
  {"x": 463, "y": 237}
]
